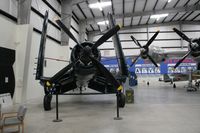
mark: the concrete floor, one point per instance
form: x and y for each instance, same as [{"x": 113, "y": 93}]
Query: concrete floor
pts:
[{"x": 158, "y": 108}]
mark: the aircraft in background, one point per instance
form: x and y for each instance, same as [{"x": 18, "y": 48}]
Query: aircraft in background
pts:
[
  {"x": 84, "y": 70},
  {"x": 156, "y": 54},
  {"x": 194, "y": 52},
  {"x": 190, "y": 77},
  {"x": 180, "y": 77},
  {"x": 144, "y": 50},
  {"x": 193, "y": 47}
]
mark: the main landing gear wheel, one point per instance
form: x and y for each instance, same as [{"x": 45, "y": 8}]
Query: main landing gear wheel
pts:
[
  {"x": 122, "y": 100},
  {"x": 47, "y": 102}
]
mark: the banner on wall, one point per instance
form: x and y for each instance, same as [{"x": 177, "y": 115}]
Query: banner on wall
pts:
[{"x": 146, "y": 67}]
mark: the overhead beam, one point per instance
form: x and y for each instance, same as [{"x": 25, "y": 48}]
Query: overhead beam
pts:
[
  {"x": 146, "y": 13},
  {"x": 134, "y": 3},
  {"x": 66, "y": 15},
  {"x": 151, "y": 25},
  {"x": 82, "y": 30}
]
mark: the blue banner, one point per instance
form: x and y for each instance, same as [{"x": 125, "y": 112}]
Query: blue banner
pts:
[{"x": 146, "y": 67}]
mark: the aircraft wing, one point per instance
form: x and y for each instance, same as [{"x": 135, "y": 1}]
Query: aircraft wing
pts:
[
  {"x": 175, "y": 77},
  {"x": 67, "y": 82},
  {"x": 181, "y": 77},
  {"x": 118, "y": 50},
  {"x": 173, "y": 53},
  {"x": 100, "y": 84}
]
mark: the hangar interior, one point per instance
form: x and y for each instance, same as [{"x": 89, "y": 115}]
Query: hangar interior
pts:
[{"x": 157, "y": 107}]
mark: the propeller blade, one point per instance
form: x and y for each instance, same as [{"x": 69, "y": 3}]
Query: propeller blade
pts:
[
  {"x": 136, "y": 42},
  {"x": 182, "y": 35},
  {"x": 152, "y": 60},
  {"x": 134, "y": 61},
  {"x": 106, "y": 36},
  {"x": 67, "y": 31},
  {"x": 61, "y": 73},
  {"x": 105, "y": 72},
  {"x": 181, "y": 60},
  {"x": 152, "y": 39}
]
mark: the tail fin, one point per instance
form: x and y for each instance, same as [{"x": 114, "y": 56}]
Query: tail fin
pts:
[
  {"x": 40, "y": 62},
  {"x": 118, "y": 48}
]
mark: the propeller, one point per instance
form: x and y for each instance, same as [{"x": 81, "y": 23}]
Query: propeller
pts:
[
  {"x": 106, "y": 36},
  {"x": 133, "y": 62},
  {"x": 96, "y": 63},
  {"x": 105, "y": 72},
  {"x": 67, "y": 31},
  {"x": 101, "y": 40},
  {"x": 151, "y": 59},
  {"x": 182, "y": 35},
  {"x": 183, "y": 58},
  {"x": 101, "y": 67},
  {"x": 61, "y": 73},
  {"x": 145, "y": 49},
  {"x": 58, "y": 75},
  {"x": 136, "y": 42},
  {"x": 152, "y": 39}
]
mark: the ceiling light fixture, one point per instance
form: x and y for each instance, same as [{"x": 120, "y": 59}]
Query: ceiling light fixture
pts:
[
  {"x": 158, "y": 16},
  {"x": 100, "y": 5},
  {"x": 103, "y": 22},
  {"x": 169, "y": 1}
]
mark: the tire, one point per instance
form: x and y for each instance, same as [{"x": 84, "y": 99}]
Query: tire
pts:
[
  {"x": 47, "y": 102},
  {"x": 122, "y": 100}
]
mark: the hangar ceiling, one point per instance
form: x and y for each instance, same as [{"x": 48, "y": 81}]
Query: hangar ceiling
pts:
[{"x": 130, "y": 13}]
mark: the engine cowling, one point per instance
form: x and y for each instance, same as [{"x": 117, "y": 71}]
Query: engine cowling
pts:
[{"x": 85, "y": 65}]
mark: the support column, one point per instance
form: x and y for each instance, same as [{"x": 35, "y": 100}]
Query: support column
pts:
[
  {"x": 24, "y": 11},
  {"x": 147, "y": 33},
  {"x": 82, "y": 30},
  {"x": 23, "y": 39},
  {"x": 66, "y": 15},
  {"x": 91, "y": 36},
  {"x": 181, "y": 28}
]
